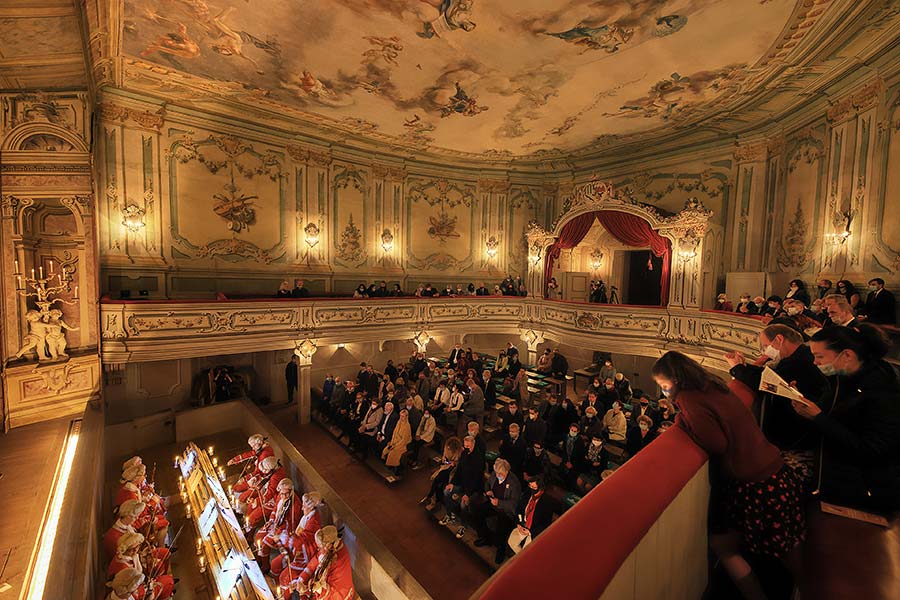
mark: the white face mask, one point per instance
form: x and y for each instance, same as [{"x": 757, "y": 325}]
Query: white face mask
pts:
[
  {"x": 596, "y": 442},
  {"x": 792, "y": 311},
  {"x": 644, "y": 426},
  {"x": 772, "y": 352}
]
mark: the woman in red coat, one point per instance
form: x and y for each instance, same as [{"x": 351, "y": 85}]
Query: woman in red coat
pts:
[{"x": 755, "y": 500}]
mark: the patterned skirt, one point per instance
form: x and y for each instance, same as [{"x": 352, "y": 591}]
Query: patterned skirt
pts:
[{"x": 768, "y": 514}]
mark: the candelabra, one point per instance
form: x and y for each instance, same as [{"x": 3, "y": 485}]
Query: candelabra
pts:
[
  {"x": 46, "y": 327},
  {"x": 43, "y": 287}
]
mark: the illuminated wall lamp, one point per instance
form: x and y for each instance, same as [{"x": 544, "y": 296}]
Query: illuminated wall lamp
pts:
[
  {"x": 312, "y": 234},
  {"x": 687, "y": 255},
  {"x": 421, "y": 338},
  {"x": 133, "y": 218},
  {"x": 306, "y": 348},
  {"x": 596, "y": 260},
  {"x": 491, "y": 247},
  {"x": 387, "y": 240}
]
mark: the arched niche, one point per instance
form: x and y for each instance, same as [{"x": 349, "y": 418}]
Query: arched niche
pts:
[
  {"x": 684, "y": 230},
  {"x": 43, "y": 137}
]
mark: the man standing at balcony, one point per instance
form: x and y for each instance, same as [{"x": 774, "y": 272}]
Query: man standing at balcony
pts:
[
  {"x": 299, "y": 290},
  {"x": 880, "y": 306},
  {"x": 291, "y": 377}
]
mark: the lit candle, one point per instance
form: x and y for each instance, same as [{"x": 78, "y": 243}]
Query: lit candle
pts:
[
  {"x": 32, "y": 273},
  {"x": 41, "y": 271},
  {"x": 176, "y": 462},
  {"x": 19, "y": 282},
  {"x": 51, "y": 268},
  {"x": 76, "y": 292},
  {"x": 221, "y": 474},
  {"x": 215, "y": 461},
  {"x": 202, "y": 561},
  {"x": 17, "y": 266},
  {"x": 210, "y": 450},
  {"x": 199, "y": 545},
  {"x": 259, "y": 546}
]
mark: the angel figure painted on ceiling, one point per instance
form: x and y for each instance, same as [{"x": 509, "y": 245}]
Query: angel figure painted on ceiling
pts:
[
  {"x": 230, "y": 42},
  {"x": 461, "y": 103},
  {"x": 177, "y": 44},
  {"x": 606, "y": 37},
  {"x": 453, "y": 15},
  {"x": 387, "y": 48}
]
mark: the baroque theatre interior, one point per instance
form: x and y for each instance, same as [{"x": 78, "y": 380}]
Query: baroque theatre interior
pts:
[{"x": 228, "y": 226}]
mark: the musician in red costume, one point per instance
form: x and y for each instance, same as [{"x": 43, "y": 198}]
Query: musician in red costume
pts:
[
  {"x": 134, "y": 553},
  {"x": 273, "y": 536},
  {"x": 329, "y": 576},
  {"x": 259, "y": 450},
  {"x": 301, "y": 545},
  {"x": 263, "y": 495},
  {"x": 133, "y": 479},
  {"x": 127, "y": 585},
  {"x": 129, "y": 511},
  {"x": 148, "y": 490}
]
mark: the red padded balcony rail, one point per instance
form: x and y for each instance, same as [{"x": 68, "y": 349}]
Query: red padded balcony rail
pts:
[{"x": 578, "y": 556}]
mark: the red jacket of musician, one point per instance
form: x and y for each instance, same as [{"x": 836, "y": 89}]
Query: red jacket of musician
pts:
[
  {"x": 339, "y": 577},
  {"x": 265, "y": 451}
]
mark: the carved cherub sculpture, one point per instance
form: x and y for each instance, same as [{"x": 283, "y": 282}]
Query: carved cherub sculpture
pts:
[
  {"x": 56, "y": 337},
  {"x": 36, "y": 337}
]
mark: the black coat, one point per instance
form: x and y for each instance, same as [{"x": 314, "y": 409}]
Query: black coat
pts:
[
  {"x": 881, "y": 308},
  {"x": 469, "y": 474},
  {"x": 290, "y": 373},
  {"x": 860, "y": 427},
  {"x": 514, "y": 452},
  {"x": 781, "y": 424},
  {"x": 634, "y": 442},
  {"x": 534, "y": 431},
  {"x": 542, "y": 517},
  {"x": 300, "y": 292},
  {"x": 576, "y": 456}
]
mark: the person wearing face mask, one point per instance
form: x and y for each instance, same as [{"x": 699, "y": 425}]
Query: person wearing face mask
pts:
[
  {"x": 537, "y": 461},
  {"x": 759, "y": 303},
  {"x": 572, "y": 453},
  {"x": 745, "y": 306},
  {"x": 512, "y": 448},
  {"x": 840, "y": 313},
  {"x": 535, "y": 429},
  {"x": 880, "y": 306},
  {"x": 665, "y": 412},
  {"x": 368, "y": 427},
  {"x": 623, "y": 387},
  {"x": 500, "y": 500},
  {"x": 535, "y": 515},
  {"x": 607, "y": 371},
  {"x": 859, "y": 421},
  {"x": 614, "y": 424},
  {"x": 595, "y": 460},
  {"x": 755, "y": 499},
  {"x": 467, "y": 482},
  {"x": 797, "y": 291},
  {"x": 823, "y": 288},
  {"x": 722, "y": 303},
  {"x": 772, "y": 307},
  {"x": 795, "y": 316},
  {"x": 590, "y": 424},
  {"x": 639, "y": 437},
  {"x": 440, "y": 479},
  {"x": 608, "y": 396},
  {"x": 643, "y": 409},
  {"x": 792, "y": 360},
  {"x": 846, "y": 289}
]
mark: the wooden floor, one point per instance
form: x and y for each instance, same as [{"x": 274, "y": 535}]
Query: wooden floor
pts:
[
  {"x": 28, "y": 459},
  {"x": 446, "y": 568}
]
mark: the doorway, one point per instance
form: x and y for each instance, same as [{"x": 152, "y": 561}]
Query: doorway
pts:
[{"x": 642, "y": 278}]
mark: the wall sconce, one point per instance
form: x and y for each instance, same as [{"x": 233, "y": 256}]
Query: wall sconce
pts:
[
  {"x": 596, "y": 260},
  {"x": 836, "y": 239},
  {"x": 687, "y": 255},
  {"x": 133, "y": 218},
  {"x": 312, "y": 234},
  {"x": 687, "y": 248},
  {"x": 387, "y": 240},
  {"x": 421, "y": 339},
  {"x": 534, "y": 257},
  {"x": 491, "y": 246},
  {"x": 306, "y": 348}
]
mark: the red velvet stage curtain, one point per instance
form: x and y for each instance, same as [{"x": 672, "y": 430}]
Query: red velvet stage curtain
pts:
[
  {"x": 571, "y": 235},
  {"x": 632, "y": 230}
]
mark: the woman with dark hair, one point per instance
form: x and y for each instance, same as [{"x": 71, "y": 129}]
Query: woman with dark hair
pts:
[
  {"x": 396, "y": 291},
  {"x": 535, "y": 514},
  {"x": 859, "y": 459},
  {"x": 441, "y": 477},
  {"x": 755, "y": 501},
  {"x": 797, "y": 291},
  {"x": 361, "y": 291},
  {"x": 848, "y": 290}
]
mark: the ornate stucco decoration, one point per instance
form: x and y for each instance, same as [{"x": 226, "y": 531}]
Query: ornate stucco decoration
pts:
[
  {"x": 318, "y": 157},
  {"x": 855, "y": 102},
  {"x": 142, "y": 118},
  {"x": 793, "y": 252},
  {"x": 55, "y": 379}
]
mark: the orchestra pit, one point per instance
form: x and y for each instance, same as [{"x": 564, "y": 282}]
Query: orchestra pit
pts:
[{"x": 449, "y": 299}]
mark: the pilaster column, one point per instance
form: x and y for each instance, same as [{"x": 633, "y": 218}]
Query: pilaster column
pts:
[{"x": 304, "y": 385}]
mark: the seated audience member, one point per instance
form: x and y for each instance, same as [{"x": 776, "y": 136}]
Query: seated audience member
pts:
[
  {"x": 759, "y": 303},
  {"x": 640, "y": 436},
  {"x": 501, "y": 366},
  {"x": 441, "y": 401},
  {"x": 512, "y": 448},
  {"x": 880, "y": 306},
  {"x": 745, "y": 306},
  {"x": 447, "y": 292},
  {"x": 607, "y": 371},
  {"x": 361, "y": 292},
  {"x": 607, "y": 396},
  {"x": 665, "y": 412},
  {"x": 797, "y": 291},
  {"x": 397, "y": 446},
  {"x": 535, "y": 515},
  {"x": 428, "y": 291},
  {"x": 590, "y": 424},
  {"x": 846, "y": 289},
  {"x": 382, "y": 290},
  {"x": 440, "y": 479},
  {"x": 793, "y": 362},
  {"x": 535, "y": 429},
  {"x": 722, "y": 303},
  {"x": 772, "y": 307},
  {"x": 423, "y": 385},
  {"x": 299, "y": 290},
  {"x": 573, "y": 452},
  {"x": 385, "y": 431},
  {"x": 569, "y": 410},
  {"x": 823, "y": 288},
  {"x": 365, "y": 439},
  {"x": 499, "y": 503},
  {"x": 453, "y": 413},
  {"x": 423, "y": 436},
  {"x": 511, "y": 350},
  {"x": 615, "y": 426},
  {"x": 642, "y": 408},
  {"x": 554, "y": 292},
  {"x": 840, "y": 313},
  {"x": 481, "y": 290},
  {"x": 474, "y": 430},
  {"x": 497, "y": 291},
  {"x": 396, "y": 291},
  {"x": 595, "y": 462},
  {"x": 466, "y": 481},
  {"x": 284, "y": 290},
  {"x": 596, "y": 386},
  {"x": 756, "y": 500},
  {"x": 623, "y": 387},
  {"x": 859, "y": 422},
  {"x": 817, "y": 310},
  {"x": 474, "y": 406},
  {"x": 537, "y": 461},
  {"x": 795, "y": 315},
  {"x": 543, "y": 362},
  {"x": 510, "y": 414}
]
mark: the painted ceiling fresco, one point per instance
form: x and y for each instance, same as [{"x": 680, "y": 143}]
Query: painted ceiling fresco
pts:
[{"x": 474, "y": 76}]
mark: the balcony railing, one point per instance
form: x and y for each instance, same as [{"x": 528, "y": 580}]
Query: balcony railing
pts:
[{"x": 137, "y": 331}]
